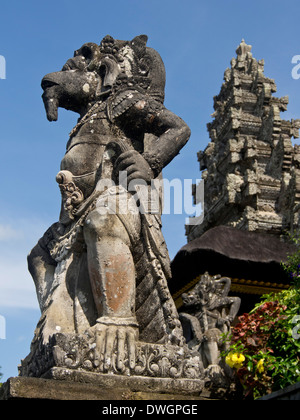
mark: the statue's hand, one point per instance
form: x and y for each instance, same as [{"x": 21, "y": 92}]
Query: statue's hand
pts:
[
  {"x": 224, "y": 321},
  {"x": 135, "y": 165},
  {"x": 116, "y": 342}
]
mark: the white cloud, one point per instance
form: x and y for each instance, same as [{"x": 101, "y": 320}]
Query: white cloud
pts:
[
  {"x": 17, "y": 237},
  {"x": 16, "y": 285},
  {"x": 7, "y": 233}
]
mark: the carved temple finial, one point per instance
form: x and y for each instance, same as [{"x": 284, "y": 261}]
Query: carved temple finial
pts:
[{"x": 243, "y": 48}]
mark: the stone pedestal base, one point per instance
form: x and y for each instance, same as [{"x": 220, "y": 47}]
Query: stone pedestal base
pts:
[
  {"x": 71, "y": 362},
  {"x": 67, "y": 384},
  {"x": 101, "y": 388}
]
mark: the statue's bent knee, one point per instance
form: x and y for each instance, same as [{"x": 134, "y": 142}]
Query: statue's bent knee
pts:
[
  {"x": 115, "y": 215},
  {"x": 99, "y": 225}
]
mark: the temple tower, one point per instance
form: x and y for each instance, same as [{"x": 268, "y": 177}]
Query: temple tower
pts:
[{"x": 251, "y": 170}]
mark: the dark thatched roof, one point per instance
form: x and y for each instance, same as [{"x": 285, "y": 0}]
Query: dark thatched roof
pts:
[{"x": 233, "y": 253}]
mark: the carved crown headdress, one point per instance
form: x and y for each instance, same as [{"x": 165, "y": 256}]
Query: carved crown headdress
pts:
[{"x": 134, "y": 64}]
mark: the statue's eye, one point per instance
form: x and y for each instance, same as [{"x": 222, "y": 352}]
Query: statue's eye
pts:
[
  {"x": 87, "y": 52},
  {"x": 66, "y": 67}
]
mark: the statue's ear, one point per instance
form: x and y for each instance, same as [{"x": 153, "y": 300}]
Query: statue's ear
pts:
[
  {"x": 110, "y": 71},
  {"x": 139, "y": 44},
  {"x": 141, "y": 39}
]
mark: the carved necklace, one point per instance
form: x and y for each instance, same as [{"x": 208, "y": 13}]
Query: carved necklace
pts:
[{"x": 92, "y": 113}]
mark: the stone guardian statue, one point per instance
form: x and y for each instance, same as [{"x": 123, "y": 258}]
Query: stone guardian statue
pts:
[{"x": 102, "y": 269}]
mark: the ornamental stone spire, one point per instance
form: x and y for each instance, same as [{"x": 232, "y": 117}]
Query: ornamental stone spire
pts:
[{"x": 251, "y": 170}]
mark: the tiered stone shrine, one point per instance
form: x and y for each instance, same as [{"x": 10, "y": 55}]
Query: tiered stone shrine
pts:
[{"x": 250, "y": 167}]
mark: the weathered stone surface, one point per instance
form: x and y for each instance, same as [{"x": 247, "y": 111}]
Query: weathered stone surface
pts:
[
  {"x": 45, "y": 389},
  {"x": 165, "y": 368},
  {"x": 103, "y": 388},
  {"x": 250, "y": 167},
  {"x": 80, "y": 352}
]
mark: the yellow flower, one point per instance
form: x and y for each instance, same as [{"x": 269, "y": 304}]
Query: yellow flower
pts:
[
  {"x": 260, "y": 365},
  {"x": 228, "y": 360},
  {"x": 235, "y": 360},
  {"x": 238, "y": 358}
]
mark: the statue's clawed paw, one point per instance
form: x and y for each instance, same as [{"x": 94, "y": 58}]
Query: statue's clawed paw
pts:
[{"x": 116, "y": 346}]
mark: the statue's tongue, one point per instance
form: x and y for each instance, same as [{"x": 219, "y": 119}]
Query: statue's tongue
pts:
[{"x": 51, "y": 103}]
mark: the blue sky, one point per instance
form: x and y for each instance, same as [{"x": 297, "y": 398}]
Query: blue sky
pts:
[{"x": 197, "y": 40}]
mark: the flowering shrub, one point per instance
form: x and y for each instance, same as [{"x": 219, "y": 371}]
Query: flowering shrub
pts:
[
  {"x": 265, "y": 344},
  {"x": 263, "y": 348}
]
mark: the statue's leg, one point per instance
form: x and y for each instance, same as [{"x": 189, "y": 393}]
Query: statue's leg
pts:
[
  {"x": 212, "y": 353},
  {"x": 112, "y": 276},
  {"x": 210, "y": 348},
  {"x": 111, "y": 266}
]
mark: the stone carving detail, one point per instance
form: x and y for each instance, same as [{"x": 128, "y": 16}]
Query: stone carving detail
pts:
[
  {"x": 206, "y": 314},
  {"x": 80, "y": 352},
  {"x": 250, "y": 167},
  {"x": 72, "y": 196}
]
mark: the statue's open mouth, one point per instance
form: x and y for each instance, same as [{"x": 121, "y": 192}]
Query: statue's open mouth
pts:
[{"x": 47, "y": 83}]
